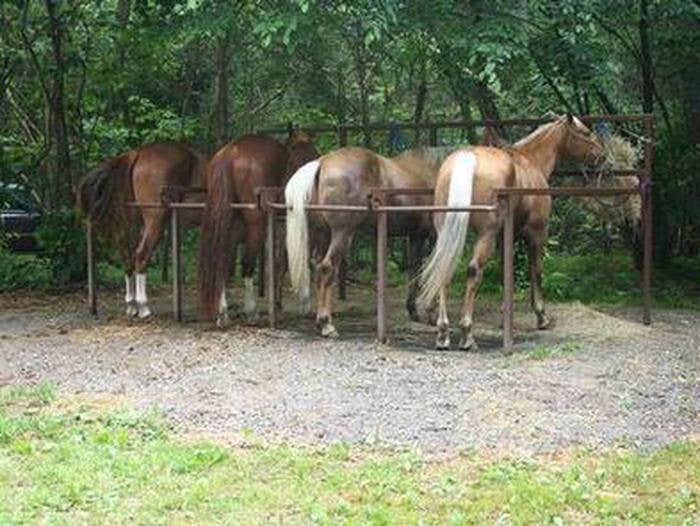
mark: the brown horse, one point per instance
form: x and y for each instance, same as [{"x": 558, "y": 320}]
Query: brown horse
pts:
[
  {"x": 138, "y": 175},
  {"x": 471, "y": 175},
  {"x": 233, "y": 175},
  {"x": 344, "y": 177}
]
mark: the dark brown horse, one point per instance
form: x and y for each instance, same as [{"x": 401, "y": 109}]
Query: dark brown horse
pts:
[
  {"x": 233, "y": 175},
  {"x": 138, "y": 175}
]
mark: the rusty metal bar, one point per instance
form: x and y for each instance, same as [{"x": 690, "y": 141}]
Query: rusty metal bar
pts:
[
  {"x": 323, "y": 128},
  {"x": 342, "y": 279},
  {"x": 261, "y": 272},
  {"x": 270, "y": 260},
  {"x": 92, "y": 290},
  {"x": 381, "y": 286},
  {"x": 508, "y": 274},
  {"x": 645, "y": 186},
  {"x": 436, "y": 208},
  {"x": 434, "y": 135},
  {"x": 579, "y": 191},
  {"x": 193, "y": 206},
  {"x": 325, "y": 208},
  {"x": 176, "y": 255}
]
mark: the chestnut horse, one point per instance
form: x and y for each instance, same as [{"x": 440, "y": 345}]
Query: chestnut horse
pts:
[
  {"x": 470, "y": 176},
  {"x": 345, "y": 177},
  {"x": 138, "y": 175},
  {"x": 233, "y": 175}
]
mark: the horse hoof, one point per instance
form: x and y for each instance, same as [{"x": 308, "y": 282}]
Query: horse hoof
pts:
[
  {"x": 144, "y": 311},
  {"x": 328, "y": 331},
  {"x": 222, "y": 320},
  {"x": 468, "y": 344},
  {"x": 131, "y": 310},
  {"x": 545, "y": 322},
  {"x": 442, "y": 342}
]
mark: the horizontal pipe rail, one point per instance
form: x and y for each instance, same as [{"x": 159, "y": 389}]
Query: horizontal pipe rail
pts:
[
  {"x": 191, "y": 206},
  {"x": 570, "y": 191},
  {"x": 323, "y": 128},
  {"x": 436, "y": 208}
]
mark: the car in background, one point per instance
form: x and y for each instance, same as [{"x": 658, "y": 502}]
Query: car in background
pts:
[{"x": 19, "y": 218}]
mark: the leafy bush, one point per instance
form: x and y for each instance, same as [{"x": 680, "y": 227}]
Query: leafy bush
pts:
[
  {"x": 17, "y": 271},
  {"x": 63, "y": 239}
]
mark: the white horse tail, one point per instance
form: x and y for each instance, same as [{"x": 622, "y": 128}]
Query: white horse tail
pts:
[
  {"x": 297, "y": 194},
  {"x": 438, "y": 271}
]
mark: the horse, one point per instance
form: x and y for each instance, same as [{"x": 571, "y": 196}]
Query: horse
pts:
[
  {"x": 138, "y": 175},
  {"x": 345, "y": 177},
  {"x": 470, "y": 176},
  {"x": 233, "y": 175}
]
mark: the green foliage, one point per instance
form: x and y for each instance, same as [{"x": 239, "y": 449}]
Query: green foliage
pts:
[
  {"x": 62, "y": 238},
  {"x": 74, "y": 463}
]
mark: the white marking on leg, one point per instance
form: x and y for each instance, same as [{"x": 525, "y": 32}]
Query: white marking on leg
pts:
[
  {"x": 222, "y": 318},
  {"x": 249, "y": 296},
  {"x": 141, "y": 297},
  {"x": 223, "y": 305},
  {"x": 130, "y": 295}
]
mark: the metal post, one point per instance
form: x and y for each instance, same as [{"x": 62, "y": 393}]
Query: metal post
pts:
[
  {"x": 433, "y": 136},
  {"x": 645, "y": 187},
  {"x": 92, "y": 292},
  {"x": 508, "y": 279},
  {"x": 261, "y": 273},
  {"x": 381, "y": 263},
  {"x": 270, "y": 245},
  {"x": 176, "y": 255},
  {"x": 164, "y": 257},
  {"x": 342, "y": 279}
]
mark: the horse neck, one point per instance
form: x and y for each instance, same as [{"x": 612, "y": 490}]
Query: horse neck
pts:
[{"x": 543, "y": 149}]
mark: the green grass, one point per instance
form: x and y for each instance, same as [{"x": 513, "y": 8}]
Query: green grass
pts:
[{"x": 63, "y": 463}]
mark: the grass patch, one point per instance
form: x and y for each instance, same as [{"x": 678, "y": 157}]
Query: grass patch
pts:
[{"x": 116, "y": 468}]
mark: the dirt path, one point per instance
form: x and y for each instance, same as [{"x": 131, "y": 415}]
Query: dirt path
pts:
[{"x": 598, "y": 378}]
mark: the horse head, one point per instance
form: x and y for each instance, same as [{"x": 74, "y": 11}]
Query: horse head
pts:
[
  {"x": 580, "y": 142},
  {"x": 301, "y": 150}
]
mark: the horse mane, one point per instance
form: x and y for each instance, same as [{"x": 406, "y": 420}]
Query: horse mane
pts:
[{"x": 536, "y": 135}]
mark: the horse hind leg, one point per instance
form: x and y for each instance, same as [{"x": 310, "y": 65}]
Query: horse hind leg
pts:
[
  {"x": 535, "y": 243},
  {"x": 415, "y": 257},
  {"x": 253, "y": 247},
  {"x": 442, "y": 341},
  {"x": 152, "y": 230},
  {"x": 327, "y": 273},
  {"x": 475, "y": 271}
]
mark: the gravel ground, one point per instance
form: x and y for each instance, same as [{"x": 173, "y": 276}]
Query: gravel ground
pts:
[{"x": 612, "y": 380}]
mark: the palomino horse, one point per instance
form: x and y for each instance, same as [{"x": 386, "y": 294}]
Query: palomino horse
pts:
[
  {"x": 344, "y": 177},
  {"x": 470, "y": 176},
  {"x": 138, "y": 175},
  {"x": 233, "y": 175}
]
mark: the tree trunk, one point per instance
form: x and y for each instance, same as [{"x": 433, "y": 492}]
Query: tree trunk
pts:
[
  {"x": 421, "y": 96},
  {"x": 645, "y": 62},
  {"x": 60, "y": 157},
  {"x": 220, "y": 110}
]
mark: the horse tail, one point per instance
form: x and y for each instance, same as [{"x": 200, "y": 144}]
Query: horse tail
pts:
[
  {"x": 441, "y": 265},
  {"x": 102, "y": 190},
  {"x": 298, "y": 193},
  {"x": 216, "y": 238}
]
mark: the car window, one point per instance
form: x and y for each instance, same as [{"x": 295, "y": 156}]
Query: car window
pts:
[{"x": 15, "y": 199}]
